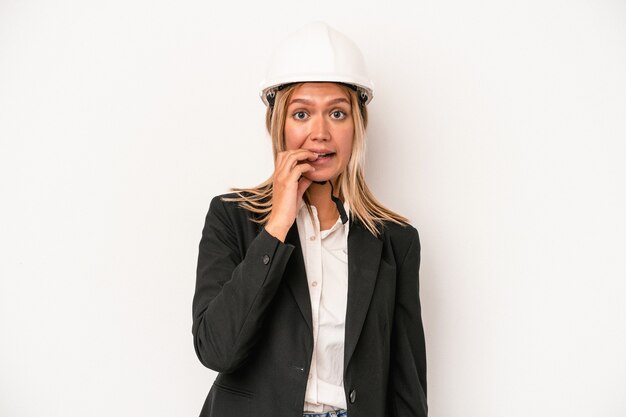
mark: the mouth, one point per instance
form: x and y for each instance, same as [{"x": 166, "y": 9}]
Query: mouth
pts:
[{"x": 325, "y": 155}]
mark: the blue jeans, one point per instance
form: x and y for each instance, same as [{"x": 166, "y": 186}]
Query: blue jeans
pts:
[{"x": 337, "y": 413}]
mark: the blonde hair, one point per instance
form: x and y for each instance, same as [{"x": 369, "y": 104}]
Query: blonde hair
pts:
[{"x": 351, "y": 185}]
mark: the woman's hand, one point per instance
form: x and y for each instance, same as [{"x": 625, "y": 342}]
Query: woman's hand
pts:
[{"x": 289, "y": 187}]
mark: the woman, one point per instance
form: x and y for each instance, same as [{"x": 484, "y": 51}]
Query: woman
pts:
[{"x": 307, "y": 287}]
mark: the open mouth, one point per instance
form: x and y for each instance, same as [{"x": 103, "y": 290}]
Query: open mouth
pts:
[{"x": 325, "y": 155}]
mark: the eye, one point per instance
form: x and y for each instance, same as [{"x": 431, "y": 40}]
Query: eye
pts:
[
  {"x": 338, "y": 114},
  {"x": 300, "y": 115}
]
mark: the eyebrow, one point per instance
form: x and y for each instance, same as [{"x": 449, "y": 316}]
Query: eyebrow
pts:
[{"x": 307, "y": 101}]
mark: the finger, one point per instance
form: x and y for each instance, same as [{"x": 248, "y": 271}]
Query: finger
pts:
[
  {"x": 298, "y": 156},
  {"x": 299, "y": 171},
  {"x": 299, "y": 152},
  {"x": 304, "y": 154},
  {"x": 303, "y": 184},
  {"x": 289, "y": 163}
]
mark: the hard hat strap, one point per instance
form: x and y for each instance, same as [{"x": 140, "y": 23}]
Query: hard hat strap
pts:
[{"x": 342, "y": 211}]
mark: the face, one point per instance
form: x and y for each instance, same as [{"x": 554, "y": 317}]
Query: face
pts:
[{"x": 319, "y": 119}]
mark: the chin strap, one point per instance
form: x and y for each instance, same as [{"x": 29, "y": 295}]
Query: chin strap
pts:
[{"x": 336, "y": 200}]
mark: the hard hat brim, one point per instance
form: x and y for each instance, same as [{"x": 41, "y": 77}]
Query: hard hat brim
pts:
[{"x": 268, "y": 86}]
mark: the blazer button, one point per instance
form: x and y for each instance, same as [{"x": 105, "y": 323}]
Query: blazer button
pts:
[
  {"x": 353, "y": 396},
  {"x": 266, "y": 259}
]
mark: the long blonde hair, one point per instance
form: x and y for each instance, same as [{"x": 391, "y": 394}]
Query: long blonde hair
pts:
[{"x": 351, "y": 183}]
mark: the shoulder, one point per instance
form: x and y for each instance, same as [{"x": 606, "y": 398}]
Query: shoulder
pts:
[
  {"x": 229, "y": 221},
  {"x": 399, "y": 232},
  {"x": 222, "y": 204},
  {"x": 226, "y": 201},
  {"x": 227, "y": 208},
  {"x": 402, "y": 239}
]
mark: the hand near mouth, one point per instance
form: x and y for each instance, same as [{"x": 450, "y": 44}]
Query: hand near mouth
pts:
[
  {"x": 289, "y": 187},
  {"x": 323, "y": 153}
]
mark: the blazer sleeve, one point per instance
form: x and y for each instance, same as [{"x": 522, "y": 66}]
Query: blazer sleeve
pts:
[
  {"x": 233, "y": 289},
  {"x": 407, "y": 377}
]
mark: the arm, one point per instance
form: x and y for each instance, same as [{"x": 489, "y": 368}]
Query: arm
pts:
[
  {"x": 233, "y": 290},
  {"x": 407, "y": 376}
]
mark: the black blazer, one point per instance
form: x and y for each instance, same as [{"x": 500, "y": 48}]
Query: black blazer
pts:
[{"x": 252, "y": 320}]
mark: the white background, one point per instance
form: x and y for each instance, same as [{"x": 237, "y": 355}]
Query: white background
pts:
[{"x": 497, "y": 126}]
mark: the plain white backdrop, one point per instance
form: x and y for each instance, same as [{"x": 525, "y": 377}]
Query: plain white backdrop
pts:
[{"x": 497, "y": 127}]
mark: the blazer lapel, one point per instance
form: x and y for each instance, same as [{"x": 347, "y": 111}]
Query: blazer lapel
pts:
[
  {"x": 295, "y": 275},
  {"x": 364, "y": 251}
]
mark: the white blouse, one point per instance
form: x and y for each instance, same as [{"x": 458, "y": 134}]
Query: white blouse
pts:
[{"x": 326, "y": 262}]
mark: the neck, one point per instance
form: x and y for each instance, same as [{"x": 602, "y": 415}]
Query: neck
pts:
[{"x": 319, "y": 196}]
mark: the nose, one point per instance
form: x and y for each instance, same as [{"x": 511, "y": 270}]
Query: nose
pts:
[{"x": 319, "y": 129}]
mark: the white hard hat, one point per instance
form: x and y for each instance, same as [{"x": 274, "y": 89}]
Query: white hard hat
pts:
[{"x": 319, "y": 53}]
